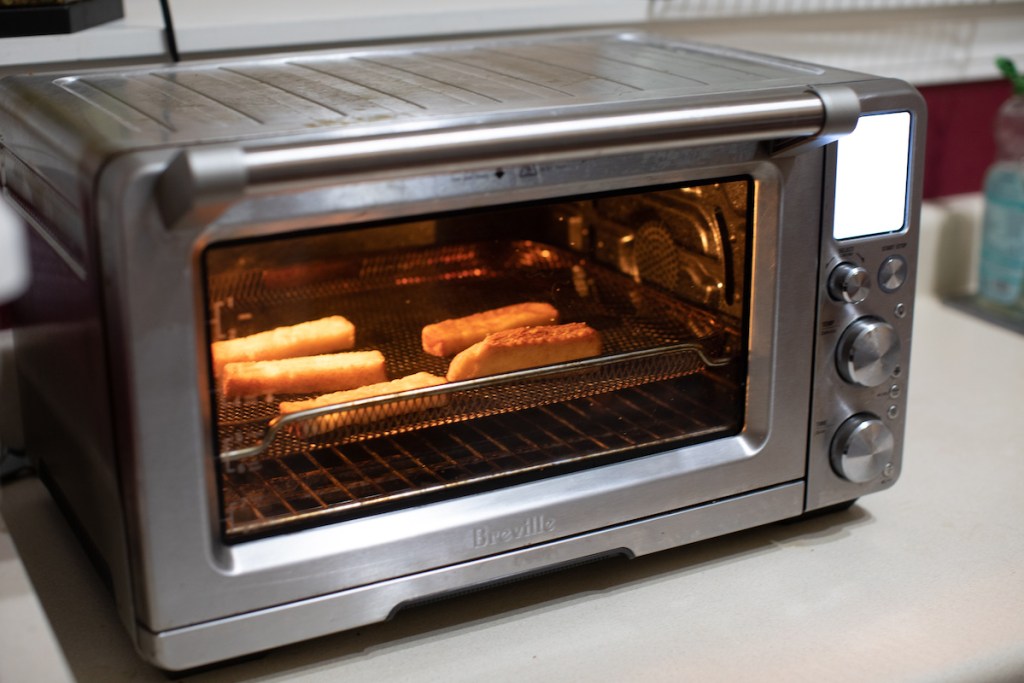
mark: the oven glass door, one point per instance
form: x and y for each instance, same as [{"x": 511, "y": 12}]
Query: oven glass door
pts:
[{"x": 366, "y": 368}]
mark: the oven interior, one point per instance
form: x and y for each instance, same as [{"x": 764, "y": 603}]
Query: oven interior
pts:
[{"x": 661, "y": 273}]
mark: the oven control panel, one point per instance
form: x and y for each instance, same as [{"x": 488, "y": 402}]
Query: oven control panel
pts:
[
  {"x": 865, "y": 299},
  {"x": 861, "y": 362}
]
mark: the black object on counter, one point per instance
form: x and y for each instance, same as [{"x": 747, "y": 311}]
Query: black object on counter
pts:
[{"x": 38, "y": 20}]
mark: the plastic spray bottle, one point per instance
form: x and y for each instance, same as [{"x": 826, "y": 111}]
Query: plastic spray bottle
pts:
[{"x": 1001, "y": 270}]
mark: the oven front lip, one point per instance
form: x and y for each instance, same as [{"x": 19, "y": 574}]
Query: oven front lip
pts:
[
  {"x": 239, "y": 634},
  {"x": 234, "y": 579}
]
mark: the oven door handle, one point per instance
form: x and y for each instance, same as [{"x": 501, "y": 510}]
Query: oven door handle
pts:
[{"x": 200, "y": 182}]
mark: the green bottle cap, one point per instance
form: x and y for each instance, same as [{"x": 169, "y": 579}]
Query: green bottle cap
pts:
[{"x": 1010, "y": 71}]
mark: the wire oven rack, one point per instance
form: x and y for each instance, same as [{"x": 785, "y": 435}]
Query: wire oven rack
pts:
[
  {"x": 318, "y": 483},
  {"x": 647, "y": 336}
]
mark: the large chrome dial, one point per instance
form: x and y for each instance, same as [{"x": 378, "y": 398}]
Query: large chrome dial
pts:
[
  {"x": 861, "y": 448},
  {"x": 868, "y": 352}
]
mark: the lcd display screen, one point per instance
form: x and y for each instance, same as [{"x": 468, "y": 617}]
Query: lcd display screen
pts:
[{"x": 871, "y": 177}]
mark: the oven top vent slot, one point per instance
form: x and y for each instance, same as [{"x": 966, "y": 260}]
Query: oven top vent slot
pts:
[{"x": 357, "y": 88}]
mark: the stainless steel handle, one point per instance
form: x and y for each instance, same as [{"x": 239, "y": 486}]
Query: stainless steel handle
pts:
[
  {"x": 201, "y": 179},
  {"x": 706, "y": 124}
]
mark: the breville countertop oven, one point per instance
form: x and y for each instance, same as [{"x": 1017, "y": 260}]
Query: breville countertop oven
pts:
[{"x": 314, "y": 337}]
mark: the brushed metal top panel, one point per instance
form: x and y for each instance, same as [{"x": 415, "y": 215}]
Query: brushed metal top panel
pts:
[{"x": 357, "y": 92}]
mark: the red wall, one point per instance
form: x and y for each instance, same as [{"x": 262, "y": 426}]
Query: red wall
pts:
[{"x": 959, "y": 144}]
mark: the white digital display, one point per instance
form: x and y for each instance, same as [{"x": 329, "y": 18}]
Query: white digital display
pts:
[{"x": 871, "y": 177}]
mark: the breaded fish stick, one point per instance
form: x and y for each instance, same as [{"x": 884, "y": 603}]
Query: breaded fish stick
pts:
[
  {"x": 303, "y": 375},
  {"x": 365, "y": 415},
  {"x": 456, "y": 334},
  {"x": 525, "y": 347},
  {"x": 325, "y": 335}
]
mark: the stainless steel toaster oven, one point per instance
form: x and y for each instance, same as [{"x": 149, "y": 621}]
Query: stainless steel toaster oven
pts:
[{"x": 314, "y": 337}]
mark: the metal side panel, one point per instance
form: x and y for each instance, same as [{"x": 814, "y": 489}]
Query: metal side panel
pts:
[{"x": 255, "y": 631}]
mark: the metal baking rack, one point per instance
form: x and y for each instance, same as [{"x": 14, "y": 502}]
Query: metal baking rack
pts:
[
  {"x": 369, "y": 418},
  {"x": 648, "y": 335}
]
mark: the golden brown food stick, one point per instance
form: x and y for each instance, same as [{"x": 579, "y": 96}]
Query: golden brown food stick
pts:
[
  {"x": 525, "y": 347},
  {"x": 325, "y": 335},
  {"x": 304, "y": 375},
  {"x": 456, "y": 334},
  {"x": 364, "y": 415}
]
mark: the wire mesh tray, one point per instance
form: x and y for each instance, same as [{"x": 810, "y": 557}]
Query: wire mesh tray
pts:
[
  {"x": 458, "y": 401},
  {"x": 648, "y": 335}
]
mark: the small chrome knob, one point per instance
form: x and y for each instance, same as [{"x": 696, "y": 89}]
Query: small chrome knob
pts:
[
  {"x": 862, "y": 448},
  {"x": 850, "y": 283},
  {"x": 868, "y": 352},
  {"x": 892, "y": 273}
]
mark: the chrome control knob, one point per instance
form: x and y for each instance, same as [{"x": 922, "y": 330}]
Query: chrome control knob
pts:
[
  {"x": 892, "y": 274},
  {"x": 850, "y": 283},
  {"x": 868, "y": 352},
  {"x": 861, "y": 448}
]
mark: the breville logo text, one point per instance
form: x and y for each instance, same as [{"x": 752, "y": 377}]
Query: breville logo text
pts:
[{"x": 484, "y": 537}]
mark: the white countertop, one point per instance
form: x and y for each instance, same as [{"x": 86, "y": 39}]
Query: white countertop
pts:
[{"x": 923, "y": 582}]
